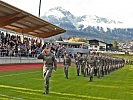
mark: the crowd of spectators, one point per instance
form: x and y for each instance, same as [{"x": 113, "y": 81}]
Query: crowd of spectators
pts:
[{"x": 14, "y": 45}]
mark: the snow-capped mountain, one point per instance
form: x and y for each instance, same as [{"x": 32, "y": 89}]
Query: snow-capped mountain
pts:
[
  {"x": 60, "y": 14},
  {"x": 82, "y": 25},
  {"x": 93, "y": 20}
]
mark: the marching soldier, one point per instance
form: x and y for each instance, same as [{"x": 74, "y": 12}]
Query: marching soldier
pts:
[
  {"x": 109, "y": 65},
  {"x": 102, "y": 66},
  {"x": 91, "y": 73},
  {"x": 83, "y": 66},
  {"x": 67, "y": 63},
  {"x": 105, "y": 65},
  {"x": 95, "y": 65},
  {"x": 78, "y": 63},
  {"x": 98, "y": 63},
  {"x": 50, "y": 63},
  {"x": 91, "y": 67}
]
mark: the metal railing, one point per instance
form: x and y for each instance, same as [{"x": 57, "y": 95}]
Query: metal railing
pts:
[{"x": 12, "y": 56}]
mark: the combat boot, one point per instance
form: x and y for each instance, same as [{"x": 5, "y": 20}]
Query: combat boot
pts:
[
  {"x": 46, "y": 93},
  {"x": 91, "y": 79},
  {"x": 84, "y": 74},
  {"x": 77, "y": 72},
  {"x": 66, "y": 72},
  {"x": 46, "y": 90}
]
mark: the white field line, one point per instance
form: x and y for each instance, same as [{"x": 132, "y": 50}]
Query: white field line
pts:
[
  {"x": 11, "y": 97},
  {"x": 18, "y": 74},
  {"x": 33, "y": 92}
]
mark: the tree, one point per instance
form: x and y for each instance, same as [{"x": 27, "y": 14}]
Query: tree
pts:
[
  {"x": 115, "y": 47},
  {"x": 60, "y": 39},
  {"x": 77, "y": 40}
]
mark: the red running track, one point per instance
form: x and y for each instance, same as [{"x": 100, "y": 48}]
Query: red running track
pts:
[{"x": 21, "y": 67}]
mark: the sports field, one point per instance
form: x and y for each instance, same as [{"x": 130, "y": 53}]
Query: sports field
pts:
[{"x": 28, "y": 85}]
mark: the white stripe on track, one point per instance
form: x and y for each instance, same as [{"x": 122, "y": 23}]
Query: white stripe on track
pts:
[{"x": 18, "y": 74}]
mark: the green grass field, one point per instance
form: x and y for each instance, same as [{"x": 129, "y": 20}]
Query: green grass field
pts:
[
  {"x": 28, "y": 85},
  {"x": 126, "y": 57}
]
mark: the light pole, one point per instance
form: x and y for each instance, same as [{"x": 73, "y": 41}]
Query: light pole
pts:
[
  {"x": 39, "y": 8},
  {"x": 39, "y": 12}
]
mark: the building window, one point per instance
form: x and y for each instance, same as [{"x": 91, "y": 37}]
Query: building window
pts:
[
  {"x": 95, "y": 46},
  {"x": 91, "y": 45}
]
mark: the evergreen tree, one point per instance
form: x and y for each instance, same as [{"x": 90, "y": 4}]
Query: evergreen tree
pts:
[
  {"x": 115, "y": 47},
  {"x": 60, "y": 39}
]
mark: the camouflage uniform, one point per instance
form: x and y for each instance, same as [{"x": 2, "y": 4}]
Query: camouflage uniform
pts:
[
  {"x": 78, "y": 63},
  {"x": 67, "y": 63},
  {"x": 105, "y": 65},
  {"x": 95, "y": 65},
  {"x": 109, "y": 70},
  {"x": 102, "y": 66},
  {"x": 49, "y": 63},
  {"x": 91, "y": 68},
  {"x": 83, "y": 66},
  {"x": 98, "y": 63}
]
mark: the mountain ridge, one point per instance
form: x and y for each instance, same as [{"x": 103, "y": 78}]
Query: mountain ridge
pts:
[{"x": 91, "y": 25}]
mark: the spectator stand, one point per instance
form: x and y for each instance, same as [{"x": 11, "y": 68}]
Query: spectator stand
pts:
[{"x": 21, "y": 22}]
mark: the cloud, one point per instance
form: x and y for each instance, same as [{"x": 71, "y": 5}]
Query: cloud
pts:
[{"x": 114, "y": 9}]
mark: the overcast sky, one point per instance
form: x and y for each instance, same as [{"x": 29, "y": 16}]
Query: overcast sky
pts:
[{"x": 121, "y": 10}]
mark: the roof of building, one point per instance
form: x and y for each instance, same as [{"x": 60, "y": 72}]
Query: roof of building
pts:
[
  {"x": 95, "y": 40},
  {"x": 17, "y": 20}
]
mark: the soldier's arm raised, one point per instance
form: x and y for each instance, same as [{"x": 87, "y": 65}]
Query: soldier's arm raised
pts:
[{"x": 41, "y": 55}]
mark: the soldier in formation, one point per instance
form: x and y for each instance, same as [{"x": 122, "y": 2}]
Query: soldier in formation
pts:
[
  {"x": 50, "y": 63},
  {"x": 83, "y": 64},
  {"x": 97, "y": 65},
  {"x": 78, "y": 62},
  {"x": 67, "y": 64}
]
